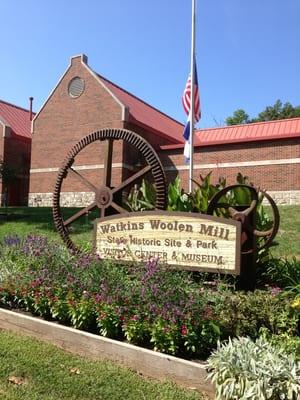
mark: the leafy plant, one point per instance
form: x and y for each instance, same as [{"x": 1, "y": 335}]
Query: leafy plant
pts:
[
  {"x": 178, "y": 199},
  {"x": 242, "y": 369},
  {"x": 81, "y": 312},
  {"x": 137, "y": 329},
  {"x": 282, "y": 272},
  {"x": 108, "y": 320},
  {"x": 141, "y": 198},
  {"x": 290, "y": 344},
  {"x": 246, "y": 313},
  {"x": 204, "y": 192},
  {"x": 200, "y": 338},
  {"x": 165, "y": 336}
]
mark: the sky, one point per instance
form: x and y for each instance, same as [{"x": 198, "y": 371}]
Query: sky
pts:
[{"x": 247, "y": 51}]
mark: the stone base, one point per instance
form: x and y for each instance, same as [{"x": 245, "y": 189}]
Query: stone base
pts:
[
  {"x": 83, "y": 199},
  {"x": 289, "y": 197},
  {"x": 67, "y": 199}
]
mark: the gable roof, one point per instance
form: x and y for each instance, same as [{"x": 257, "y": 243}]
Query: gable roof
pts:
[
  {"x": 258, "y": 131},
  {"x": 145, "y": 115},
  {"x": 16, "y": 118}
]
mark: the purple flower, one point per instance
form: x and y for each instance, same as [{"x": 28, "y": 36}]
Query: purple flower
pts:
[
  {"x": 12, "y": 241},
  {"x": 275, "y": 291}
]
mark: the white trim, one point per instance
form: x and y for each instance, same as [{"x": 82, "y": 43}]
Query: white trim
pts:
[
  {"x": 48, "y": 98},
  {"x": 6, "y": 128},
  {"x": 236, "y": 164},
  {"x": 123, "y": 107},
  {"x": 82, "y": 167}
]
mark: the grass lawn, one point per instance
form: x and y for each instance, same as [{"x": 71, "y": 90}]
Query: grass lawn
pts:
[
  {"x": 32, "y": 370},
  {"x": 288, "y": 237},
  {"x": 39, "y": 221}
]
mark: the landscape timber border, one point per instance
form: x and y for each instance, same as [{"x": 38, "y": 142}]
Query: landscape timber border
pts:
[{"x": 147, "y": 362}]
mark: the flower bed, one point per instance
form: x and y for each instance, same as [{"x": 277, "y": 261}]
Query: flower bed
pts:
[
  {"x": 149, "y": 305},
  {"x": 174, "y": 312}
]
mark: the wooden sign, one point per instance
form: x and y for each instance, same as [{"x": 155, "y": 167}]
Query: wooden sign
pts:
[{"x": 184, "y": 240}]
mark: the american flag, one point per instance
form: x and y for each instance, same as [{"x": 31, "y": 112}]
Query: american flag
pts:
[{"x": 186, "y": 97}]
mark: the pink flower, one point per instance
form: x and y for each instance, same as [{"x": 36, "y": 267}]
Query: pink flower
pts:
[
  {"x": 275, "y": 291},
  {"x": 184, "y": 330}
]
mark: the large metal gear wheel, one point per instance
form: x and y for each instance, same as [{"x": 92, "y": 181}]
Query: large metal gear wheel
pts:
[
  {"x": 106, "y": 196},
  {"x": 243, "y": 213}
]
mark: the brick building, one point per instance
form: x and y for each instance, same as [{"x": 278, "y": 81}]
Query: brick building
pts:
[
  {"x": 83, "y": 102},
  {"x": 15, "y": 147}
]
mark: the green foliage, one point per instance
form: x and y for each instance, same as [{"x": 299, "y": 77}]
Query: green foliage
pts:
[
  {"x": 281, "y": 272},
  {"x": 165, "y": 336},
  {"x": 108, "y": 320},
  {"x": 81, "y": 312},
  {"x": 239, "y": 117},
  {"x": 137, "y": 329},
  {"x": 289, "y": 344},
  {"x": 146, "y": 303},
  {"x": 246, "y": 314},
  {"x": 204, "y": 192},
  {"x": 8, "y": 173},
  {"x": 141, "y": 198},
  {"x": 242, "y": 369},
  {"x": 200, "y": 338},
  {"x": 270, "y": 113},
  {"x": 178, "y": 199},
  {"x": 278, "y": 111}
]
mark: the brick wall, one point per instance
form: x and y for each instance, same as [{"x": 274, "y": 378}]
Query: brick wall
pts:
[
  {"x": 15, "y": 153},
  {"x": 271, "y": 165},
  {"x": 2, "y": 127},
  {"x": 64, "y": 120}
]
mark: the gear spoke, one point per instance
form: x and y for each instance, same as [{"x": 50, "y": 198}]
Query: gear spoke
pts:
[
  {"x": 232, "y": 211},
  {"x": 243, "y": 213},
  {"x": 82, "y": 179},
  {"x": 250, "y": 208},
  {"x": 118, "y": 208},
  {"x": 108, "y": 163},
  {"x": 80, "y": 214},
  {"x": 107, "y": 199},
  {"x": 132, "y": 179},
  {"x": 263, "y": 233}
]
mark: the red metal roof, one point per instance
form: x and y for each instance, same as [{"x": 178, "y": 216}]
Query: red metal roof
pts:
[
  {"x": 258, "y": 131},
  {"x": 145, "y": 115},
  {"x": 17, "y": 118},
  {"x": 279, "y": 129}
]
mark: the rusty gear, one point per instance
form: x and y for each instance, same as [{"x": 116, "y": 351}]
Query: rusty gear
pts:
[
  {"x": 242, "y": 213},
  {"x": 105, "y": 195}
]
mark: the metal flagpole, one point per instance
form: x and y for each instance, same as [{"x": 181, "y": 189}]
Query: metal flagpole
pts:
[{"x": 192, "y": 102}]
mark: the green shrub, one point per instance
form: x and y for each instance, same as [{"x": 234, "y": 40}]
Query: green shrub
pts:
[
  {"x": 141, "y": 197},
  {"x": 244, "y": 314},
  {"x": 290, "y": 344},
  {"x": 281, "y": 272},
  {"x": 178, "y": 199},
  {"x": 242, "y": 369}
]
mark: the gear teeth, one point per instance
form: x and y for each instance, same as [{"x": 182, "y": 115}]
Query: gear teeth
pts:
[{"x": 105, "y": 134}]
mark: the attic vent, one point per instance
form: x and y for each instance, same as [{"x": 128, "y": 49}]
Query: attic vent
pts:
[{"x": 76, "y": 87}]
